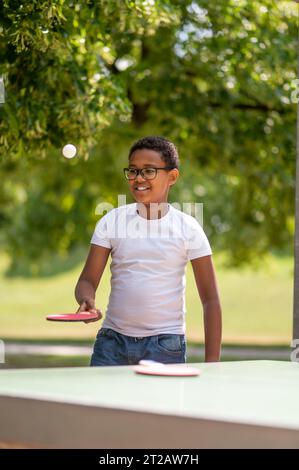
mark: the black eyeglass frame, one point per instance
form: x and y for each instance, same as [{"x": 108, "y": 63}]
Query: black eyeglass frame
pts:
[{"x": 137, "y": 171}]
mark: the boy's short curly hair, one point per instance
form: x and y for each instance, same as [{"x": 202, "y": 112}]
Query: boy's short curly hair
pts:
[{"x": 165, "y": 147}]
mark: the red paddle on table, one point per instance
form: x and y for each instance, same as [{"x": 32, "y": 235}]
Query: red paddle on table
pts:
[{"x": 147, "y": 367}]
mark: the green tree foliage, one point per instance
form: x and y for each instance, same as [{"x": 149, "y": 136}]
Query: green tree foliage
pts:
[{"x": 216, "y": 77}]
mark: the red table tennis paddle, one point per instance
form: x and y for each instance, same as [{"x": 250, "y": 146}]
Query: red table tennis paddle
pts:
[
  {"x": 157, "y": 368},
  {"x": 81, "y": 316}
]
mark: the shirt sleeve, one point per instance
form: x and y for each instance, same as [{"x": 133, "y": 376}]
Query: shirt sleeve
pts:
[
  {"x": 196, "y": 242},
  {"x": 100, "y": 235}
]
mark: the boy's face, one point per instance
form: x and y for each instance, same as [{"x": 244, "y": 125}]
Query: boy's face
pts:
[{"x": 156, "y": 189}]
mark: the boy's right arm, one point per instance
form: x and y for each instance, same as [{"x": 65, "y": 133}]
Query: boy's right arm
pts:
[{"x": 89, "y": 279}]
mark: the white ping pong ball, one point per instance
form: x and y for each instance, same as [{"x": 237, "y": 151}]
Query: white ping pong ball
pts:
[{"x": 69, "y": 151}]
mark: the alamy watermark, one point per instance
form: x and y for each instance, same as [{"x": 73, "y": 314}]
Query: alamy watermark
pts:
[
  {"x": 130, "y": 224},
  {"x": 194, "y": 209},
  {"x": 2, "y": 352},
  {"x": 295, "y": 354},
  {"x": 2, "y": 91},
  {"x": 295, "y": 92}
]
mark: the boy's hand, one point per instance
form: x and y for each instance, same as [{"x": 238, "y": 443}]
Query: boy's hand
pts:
[{"x": 88, "y": 305}]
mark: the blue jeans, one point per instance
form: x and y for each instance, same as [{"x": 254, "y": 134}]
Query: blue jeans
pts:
[{"x": 115, "y": 349}]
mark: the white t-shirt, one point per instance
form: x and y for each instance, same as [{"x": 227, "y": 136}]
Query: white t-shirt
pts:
[{"x": 148, "y": 265}]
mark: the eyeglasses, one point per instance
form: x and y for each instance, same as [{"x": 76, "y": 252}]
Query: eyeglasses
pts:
[{"x": 146, "y": 173}]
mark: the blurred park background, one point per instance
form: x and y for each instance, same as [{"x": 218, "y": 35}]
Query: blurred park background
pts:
[{"x": 217, "y": 78}]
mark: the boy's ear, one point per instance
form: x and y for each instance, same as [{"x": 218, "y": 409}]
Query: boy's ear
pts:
[{"x": 174, "y": 174}]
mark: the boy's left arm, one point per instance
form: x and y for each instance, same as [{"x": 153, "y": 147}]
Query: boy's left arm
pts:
[{"x": 205, "y": 278}]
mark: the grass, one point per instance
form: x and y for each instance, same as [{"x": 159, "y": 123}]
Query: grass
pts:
[
  {"x": 19, "y": 361},
  {"x": 256, "y": 304},
  {"x": 32, "y": 361}
]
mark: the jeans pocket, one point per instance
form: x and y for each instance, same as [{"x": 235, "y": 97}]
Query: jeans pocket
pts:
[
  {"x": 170, "y": 343},
  {"x": 102, "y": 332}
]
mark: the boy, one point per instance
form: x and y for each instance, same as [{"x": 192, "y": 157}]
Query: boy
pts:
[{"x": 150, "y": 244}]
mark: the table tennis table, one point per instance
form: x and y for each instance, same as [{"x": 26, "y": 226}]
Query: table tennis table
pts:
[{"x": 240, "y": 404}]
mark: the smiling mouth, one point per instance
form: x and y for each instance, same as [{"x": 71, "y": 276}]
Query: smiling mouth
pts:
[{"x": 141, "y": 188}]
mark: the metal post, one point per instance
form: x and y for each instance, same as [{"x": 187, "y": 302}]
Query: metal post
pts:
[{"x": 296, "y": 244}]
